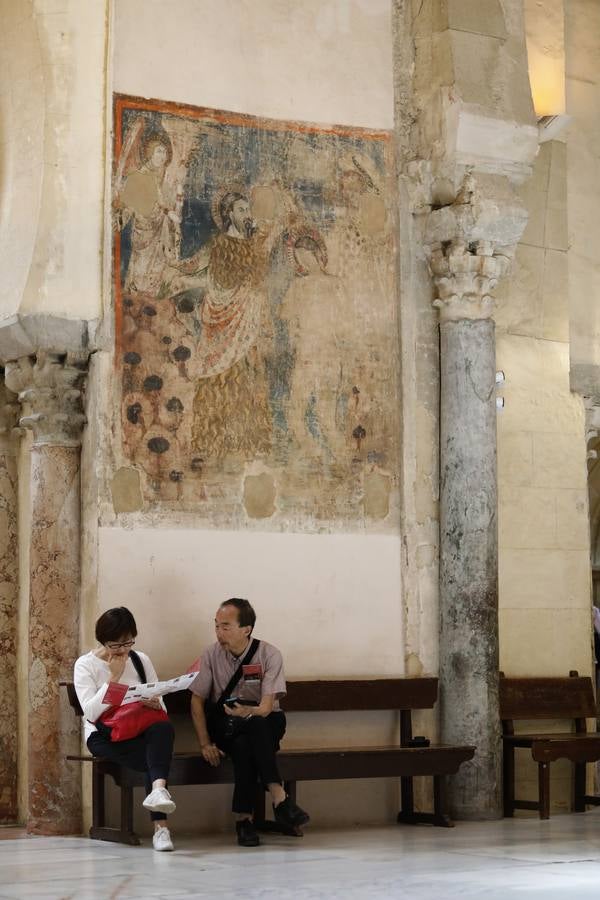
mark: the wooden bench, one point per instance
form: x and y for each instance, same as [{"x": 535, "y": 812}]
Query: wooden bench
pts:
[
  {"x": 548, "y": 698},
  {"x": 401, "y": 760}
]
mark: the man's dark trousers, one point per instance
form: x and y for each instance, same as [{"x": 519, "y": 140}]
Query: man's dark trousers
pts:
[{"x": 252, "y": 750}]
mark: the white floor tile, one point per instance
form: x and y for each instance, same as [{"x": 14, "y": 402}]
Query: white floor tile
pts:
[{"x": 520, "y": 858}]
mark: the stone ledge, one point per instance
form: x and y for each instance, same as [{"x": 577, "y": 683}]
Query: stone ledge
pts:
[
  {"x": 25, "y": 335},
  {"x": 488, "y": 143}
]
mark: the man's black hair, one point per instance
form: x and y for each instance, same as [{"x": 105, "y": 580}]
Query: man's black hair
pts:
[
  {"x": 246, "y": 614},
  {"x": 115, "y": 624}
]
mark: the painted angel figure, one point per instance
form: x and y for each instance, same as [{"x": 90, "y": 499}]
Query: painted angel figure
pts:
[{"x": 143, "y": 198}]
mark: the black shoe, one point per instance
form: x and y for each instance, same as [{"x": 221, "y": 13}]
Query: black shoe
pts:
[
  {"x": 289, "y": 814},
  {"x": 247, "y": 834}
]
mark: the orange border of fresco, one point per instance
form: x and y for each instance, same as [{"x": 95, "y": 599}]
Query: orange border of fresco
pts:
[{"x": 122, "y": 101}]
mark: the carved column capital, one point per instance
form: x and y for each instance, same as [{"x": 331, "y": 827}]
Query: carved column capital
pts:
[
  {"x": 50, "y": 387},
  {"x": 470, "y": 244},
  {"x": 465, "y": 277},
  {"x": 9, "y": 414}
]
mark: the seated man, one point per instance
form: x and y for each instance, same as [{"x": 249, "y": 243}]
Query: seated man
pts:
[{"x": 249, "y": 674}]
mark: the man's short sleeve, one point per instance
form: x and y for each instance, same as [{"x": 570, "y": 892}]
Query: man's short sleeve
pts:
[
  {"x": 273, "y": 681},
  {"x": 202, "y": 683}
]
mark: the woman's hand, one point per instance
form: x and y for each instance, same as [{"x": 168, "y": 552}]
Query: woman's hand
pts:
[
  {"x": 152, "y": 703},
  {"x": 116, "y": 664},
  {"x": 211, "y": 753}
]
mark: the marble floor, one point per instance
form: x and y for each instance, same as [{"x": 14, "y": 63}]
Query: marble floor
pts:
[{"x": 524, "y": 858}]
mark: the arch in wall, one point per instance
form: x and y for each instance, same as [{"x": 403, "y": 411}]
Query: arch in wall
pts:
[{"x": 22, "y": 122}]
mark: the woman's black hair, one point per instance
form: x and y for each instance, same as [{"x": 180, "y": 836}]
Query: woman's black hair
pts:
[{"x": 114, "y": 624}]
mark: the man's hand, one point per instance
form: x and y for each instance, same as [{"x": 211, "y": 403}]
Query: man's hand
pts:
[
  {"x": 211, "y": 753},
  {"x": 239, "y": 711},
  {"x": 116, "y": 664},
  {"x": 152, "y": 703}
]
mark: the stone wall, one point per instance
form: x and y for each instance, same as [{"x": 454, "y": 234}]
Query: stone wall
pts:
[
  {"x": 314, "y": 593},
  {"x": 544, "y": 575},
  {"x": 583, "y": 99}
]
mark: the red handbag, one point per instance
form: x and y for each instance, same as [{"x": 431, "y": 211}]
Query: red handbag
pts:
[{"x": 126, "y": 722}]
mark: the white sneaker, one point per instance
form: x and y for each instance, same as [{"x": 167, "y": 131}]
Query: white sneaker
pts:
[
  {"x": 161, "y": 839},
  {"x": 159, "y": 800}
]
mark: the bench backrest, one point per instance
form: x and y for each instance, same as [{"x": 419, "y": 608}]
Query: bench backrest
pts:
[
  {"x": 353, "y": 694},
  {"x": 547, "y": 698},
  {"x": 320, "y": 696}
]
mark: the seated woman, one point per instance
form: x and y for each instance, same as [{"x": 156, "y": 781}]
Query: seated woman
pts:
[{"x": 151, "y": 751}]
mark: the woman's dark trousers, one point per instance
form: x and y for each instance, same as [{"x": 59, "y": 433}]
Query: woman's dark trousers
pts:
[{"x": 150, "y": 752}]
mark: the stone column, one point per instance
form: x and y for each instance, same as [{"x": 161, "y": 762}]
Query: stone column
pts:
[
  {"x": 465, "y": 274},
  {"x": 9, "y": 598},
  {"x": 50, "y": 387}
]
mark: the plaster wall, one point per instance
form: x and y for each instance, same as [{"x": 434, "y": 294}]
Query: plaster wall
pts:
[
  {"x": 311, "y": 61},
  {"x": 544, "y": 573},
  {"x": 583, "y": 105},
  {"x": 331, "y": 601},
  {"x": 52, "y": 150}
]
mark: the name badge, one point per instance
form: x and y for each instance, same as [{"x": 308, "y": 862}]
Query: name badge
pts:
[{"x": 252, "y": 672}]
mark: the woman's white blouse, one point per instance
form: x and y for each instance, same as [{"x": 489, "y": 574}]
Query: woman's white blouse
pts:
[{"x": 91, "y": 678}]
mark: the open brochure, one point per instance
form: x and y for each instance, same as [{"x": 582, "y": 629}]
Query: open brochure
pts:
[{"x": 121, "y": 694}]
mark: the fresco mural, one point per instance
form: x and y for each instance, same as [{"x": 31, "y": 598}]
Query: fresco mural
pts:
[{"x": 255, "y": 313}]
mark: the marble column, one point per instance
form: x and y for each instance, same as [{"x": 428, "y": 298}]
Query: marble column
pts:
[
  {"x": 9, "y": 598},
  {"x": 465, "y": 275},
  {"x": 50, "y": 387}
]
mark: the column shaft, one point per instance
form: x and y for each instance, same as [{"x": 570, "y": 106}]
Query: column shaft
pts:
[
  {"x": 50, "y": 386},
  {"x": 9, "y": 597},
  {"x": 54, "y": 785},
  {"x": 468, "y": 563}
]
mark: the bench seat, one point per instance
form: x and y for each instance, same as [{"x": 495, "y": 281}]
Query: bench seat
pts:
[
  {"x": 550, "y": 747},
  {"x": 569, "y": 698},
  {"x": 310, "y": 765},
  {"x": 313, "y": 764}
]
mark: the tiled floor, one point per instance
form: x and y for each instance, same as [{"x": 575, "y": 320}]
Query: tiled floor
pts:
[{"x": 524, "y": 858}]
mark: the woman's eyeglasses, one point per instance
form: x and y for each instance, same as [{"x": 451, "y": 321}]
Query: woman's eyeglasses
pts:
[{"x": 117, "y": 645}]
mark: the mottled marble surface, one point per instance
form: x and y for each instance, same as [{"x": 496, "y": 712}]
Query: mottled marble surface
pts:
[
  {"x": 54, "y": 787},
  {"x": 9, "y": 596},
  {"x": 559, "y": 858}
]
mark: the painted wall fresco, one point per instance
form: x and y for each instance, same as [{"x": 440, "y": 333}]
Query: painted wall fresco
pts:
[{"x": 255, "y": 314}]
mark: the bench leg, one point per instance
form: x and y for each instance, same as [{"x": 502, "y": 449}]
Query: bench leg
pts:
[
  {"x": 407, "y": 797},
  {"x": 440, "y": 809},
  {"x": 290, "y": 789},
  {"x": 544, "y": 789},
  {"x": 98, "y": 802},
  {"x": 579, "y": 787},
  {"x": 508, "y": 767},
  {"x": 408, "y": 816},
  {"x": 99, "y": 830}
]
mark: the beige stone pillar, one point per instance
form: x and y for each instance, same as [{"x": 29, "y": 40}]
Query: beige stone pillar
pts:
[
  {"x": 49, "y": 388},
  {"x": 9, "y": 597}
]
